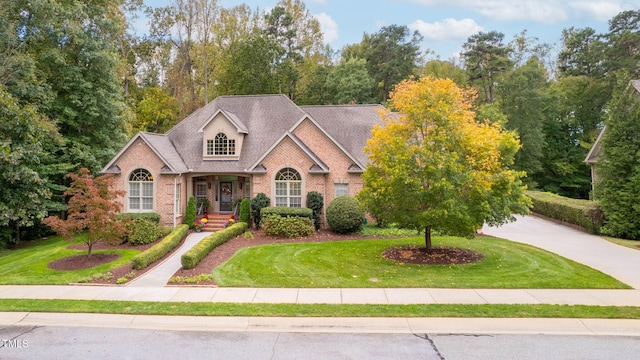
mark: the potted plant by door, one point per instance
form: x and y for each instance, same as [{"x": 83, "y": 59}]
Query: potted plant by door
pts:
[
  {"x": 199, "y": 225},
  {"x": 203, "y": 206}
]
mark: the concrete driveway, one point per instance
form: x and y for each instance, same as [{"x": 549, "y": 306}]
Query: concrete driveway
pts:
[{"x": 617, "y": 261}]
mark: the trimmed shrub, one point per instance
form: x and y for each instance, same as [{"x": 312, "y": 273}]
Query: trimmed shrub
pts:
[
  {"x": 287, "y": 226},
  {"x": 192, "y": 257},
  {"x": 287, "y": 212},
  {"x": 142, "y": 231},
  {"x": 149, "y": 216},
  {"x": 257, "y": 203},
  {"x": 315, "y": 202},
  {"x": 190, "y": 213},
  {"x": 245, "y": 211},
  {"x": 584, "y": 213},
  {"x": 160, "y": 249},
  {"x": 344, "y": 215}
]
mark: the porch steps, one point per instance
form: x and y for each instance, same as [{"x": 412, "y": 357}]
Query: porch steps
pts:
[{"x": 216, "y": 222}]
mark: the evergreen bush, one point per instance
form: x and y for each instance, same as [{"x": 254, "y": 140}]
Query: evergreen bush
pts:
[
  {"x": 150, "y": 216},
  {"x": 344, "y": 215},
  {"x": 315, "y": 202},
  {"x": 257, "y": 203},
  {"x": 190, "y": 214},
  {"x": 160, "y": 249},
  {"x": 287, "y": 226},
  {"x": 192, "y": 257},
  {"x": 142, "y": 232},
  {"x": 245, "y": 211},
  {"x": 287, "y": 212}
]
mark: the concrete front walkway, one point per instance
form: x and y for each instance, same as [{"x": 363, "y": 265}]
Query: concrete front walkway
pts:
[
  {"x": 617, "y": 261},
  {"x": 159, "y": 276}
]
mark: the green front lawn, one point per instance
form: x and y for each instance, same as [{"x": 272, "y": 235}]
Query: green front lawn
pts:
[
  {"x": 359, "y": 264},
  {"x": 28, "y": 264}
]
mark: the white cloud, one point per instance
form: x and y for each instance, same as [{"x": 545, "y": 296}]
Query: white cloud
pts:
[
  {"x": 447, "y": 29},
  {"x": 601, "y": 11},
  {"x": 542, "y": 11},
  {"x": 328, "y": 27}
]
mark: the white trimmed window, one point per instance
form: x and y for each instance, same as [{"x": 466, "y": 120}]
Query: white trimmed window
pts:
[
  {"x": 140, "y": 190},
  {"x": 177, "y": 209},
  {"x": 288, "y": 188},
  {"x": 221, "y": 145},
  {"x": 340, "y": 189}
]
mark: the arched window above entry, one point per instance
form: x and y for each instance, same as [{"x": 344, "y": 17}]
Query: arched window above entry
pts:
[
  {"x": 288, "y": 188},
  {"x": 140, "y": 194},
  {"x": 221, "y": 145}
]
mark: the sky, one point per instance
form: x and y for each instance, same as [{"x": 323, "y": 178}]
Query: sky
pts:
[{"x": 447, "y": 24}]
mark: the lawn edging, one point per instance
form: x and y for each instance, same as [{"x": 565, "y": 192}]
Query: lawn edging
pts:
[
  {"x": 160, "y": 249},
  {"x": 192, "y": 257}
]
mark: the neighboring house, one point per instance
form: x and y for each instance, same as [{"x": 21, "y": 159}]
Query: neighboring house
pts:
[
  {"x": 239, "y": 146},
  {"x": 594, "y": 153},
  {"x": 592, "y": 158}
]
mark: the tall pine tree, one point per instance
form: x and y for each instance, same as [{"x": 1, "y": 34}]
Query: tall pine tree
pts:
[{"x": 618, "y": 172}]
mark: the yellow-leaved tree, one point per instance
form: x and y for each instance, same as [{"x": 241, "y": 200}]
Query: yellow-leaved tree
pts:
[{"x": 434, "y": 166}]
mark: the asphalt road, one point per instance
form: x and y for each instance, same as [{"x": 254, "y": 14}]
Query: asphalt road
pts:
[{"x": 46, "y": 342}]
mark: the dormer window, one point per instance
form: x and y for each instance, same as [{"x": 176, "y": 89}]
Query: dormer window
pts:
[{"x": 221, "y": 145}]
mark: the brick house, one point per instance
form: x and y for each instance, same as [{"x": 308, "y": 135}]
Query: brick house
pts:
[{"x": 239, "y": 146}]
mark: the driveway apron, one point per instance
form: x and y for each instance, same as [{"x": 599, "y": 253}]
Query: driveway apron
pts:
[{"x": 617, "y": 261}]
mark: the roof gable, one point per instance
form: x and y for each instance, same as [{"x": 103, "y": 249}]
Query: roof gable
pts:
[
  {"x": 349, "y": 126},
  {"x": 162, "y": 148},
  {"x": 231, "y": 117},
  {"x": 328, "y": 135},
  {"x": 319, "y": 167}
]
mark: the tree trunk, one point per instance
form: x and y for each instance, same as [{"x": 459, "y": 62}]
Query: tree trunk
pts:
[
  {"x": 427, "y": 238},
  {"x": 17, "y": 234},
  {"x": 90, "y": 245}
]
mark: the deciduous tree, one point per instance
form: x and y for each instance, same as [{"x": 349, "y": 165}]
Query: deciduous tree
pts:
[
  {"x": 93, "y": 207},
  {"x": 436, "y": 168},
  {"x": 349, "y": 82},
  {"x": 24, "y": 190},
  {"x": 156, "y": 112}
]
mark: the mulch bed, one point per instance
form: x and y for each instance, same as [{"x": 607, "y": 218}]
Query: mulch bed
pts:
[
  {"x": 435, "y": 256},
  {"x": 407, "y": 254},
  {"x": 121, "y": 271},
  {"x": 82, "y": 261}
]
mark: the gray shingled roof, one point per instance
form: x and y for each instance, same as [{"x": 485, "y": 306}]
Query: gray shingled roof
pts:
[
  {"x": 349, "y": 125},
  {"x": 162, "y": 147},
  {"x": 265, "y": 119}
]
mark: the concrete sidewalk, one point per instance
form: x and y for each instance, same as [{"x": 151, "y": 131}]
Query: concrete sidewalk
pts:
[
  {"x": 327, "y": 296},
  {"x": 330, "y": 325},
  {"x": 617, "y": 261}
]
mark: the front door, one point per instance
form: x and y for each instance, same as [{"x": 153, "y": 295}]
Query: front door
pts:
[{"x": 226, "y": 195}]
